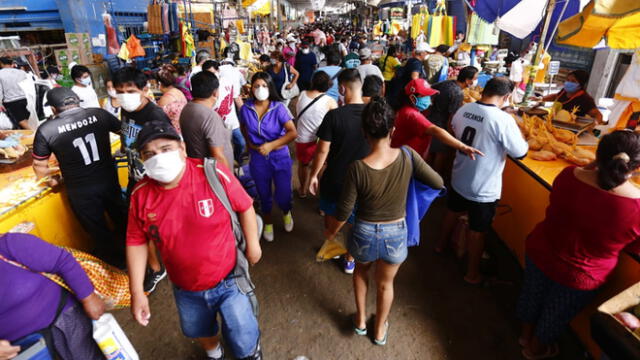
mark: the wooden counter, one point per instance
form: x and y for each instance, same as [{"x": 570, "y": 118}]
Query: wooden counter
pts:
[{"x": 525, "y": 197}]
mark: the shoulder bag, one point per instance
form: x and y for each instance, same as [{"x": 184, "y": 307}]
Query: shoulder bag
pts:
[
  {"x": 419, "y": 199},
  {"x": 288, "y": 94}
]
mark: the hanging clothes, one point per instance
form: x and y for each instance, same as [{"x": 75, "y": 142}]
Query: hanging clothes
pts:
[
  {"x": 112, "y": 36},
  {"x": 174, "y": 22},
  {"x": 482, "y": 32},
  {"x": 165, "y": 19},
  {"x": 188, "y": 44}
]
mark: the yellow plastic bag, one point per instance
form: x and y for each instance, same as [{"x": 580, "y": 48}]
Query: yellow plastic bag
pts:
[
  {"x": 331, "y": 248},
  {"x": 124, "y": 52}
]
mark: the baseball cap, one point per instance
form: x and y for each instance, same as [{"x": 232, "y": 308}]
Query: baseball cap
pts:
[
  {"x": 365, "y": 53},
  {"x": 424, "y": 47},
  {"x": 156, "y": 129},
  {"x": 61, "y": 96},
  {"x": 419, "y": 87}
]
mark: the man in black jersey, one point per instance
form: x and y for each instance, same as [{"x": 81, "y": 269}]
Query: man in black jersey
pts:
[{"x": 79, "y": 139}]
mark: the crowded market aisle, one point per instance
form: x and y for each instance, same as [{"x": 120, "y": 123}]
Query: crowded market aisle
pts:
[{"x": 306, "y": 307}]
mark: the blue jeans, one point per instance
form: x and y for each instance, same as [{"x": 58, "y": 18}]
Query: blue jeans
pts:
[
  {"x": 372, "y": 241},
  {"x": 198, "y": 311},
  {"x": 239, "y": 144}
]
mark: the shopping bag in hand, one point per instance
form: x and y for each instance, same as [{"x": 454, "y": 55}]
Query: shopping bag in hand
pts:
[{"x": 332, "y": 248}]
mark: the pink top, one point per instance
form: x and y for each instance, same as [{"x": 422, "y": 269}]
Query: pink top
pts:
[
  {"x": 289, "y": 55},
  {"x": 173, "y": 111},
  {"x": 585, "y": 228}
]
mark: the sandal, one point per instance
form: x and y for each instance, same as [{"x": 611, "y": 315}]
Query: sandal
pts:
[
  {"x": 359, "y": 331},
  {"x": 383, "y": 342},
  {"x": 552, "y": 351}
]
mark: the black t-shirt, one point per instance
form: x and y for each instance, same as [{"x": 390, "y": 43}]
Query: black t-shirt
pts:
[
  {"x": 132, "y": 123},
  {"x": 80, "y": 140},
  {"x": 584, "y": 102},
  {"x": 446, "y": 103},
  {"x": 343, "y": 128},
  {"x": 413, "y": 65}
]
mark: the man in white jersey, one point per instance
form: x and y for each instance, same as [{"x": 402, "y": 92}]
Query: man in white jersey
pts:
[{"x": 476, "y": 185}]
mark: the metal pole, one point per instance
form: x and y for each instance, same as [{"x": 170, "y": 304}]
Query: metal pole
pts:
[{"x": 539, "y": 52}]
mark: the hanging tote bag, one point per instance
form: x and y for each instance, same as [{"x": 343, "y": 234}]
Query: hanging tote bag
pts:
[
  {"x": 154, "y": 18},
  {"x": 419, "y": 199},
  {"x": 288, "y": 94}
]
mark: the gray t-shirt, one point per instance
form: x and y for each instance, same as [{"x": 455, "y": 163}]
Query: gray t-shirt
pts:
[{"x": 203, "y": 128}]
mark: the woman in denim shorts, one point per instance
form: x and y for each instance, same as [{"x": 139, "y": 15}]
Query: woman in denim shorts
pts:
[{"x": 379, "y": 184}]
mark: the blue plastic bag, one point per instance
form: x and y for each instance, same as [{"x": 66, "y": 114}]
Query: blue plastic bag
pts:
[{"x": 419, "y": 199}]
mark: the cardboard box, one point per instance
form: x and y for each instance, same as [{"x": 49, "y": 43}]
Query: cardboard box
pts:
[
  {"x": 615, "y": 339},
  {"x": 81, "y": 42},
  {"x": 62, "y": 57}
]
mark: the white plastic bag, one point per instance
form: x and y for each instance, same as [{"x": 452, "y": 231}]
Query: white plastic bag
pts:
[{"x": 112, "y": 340}]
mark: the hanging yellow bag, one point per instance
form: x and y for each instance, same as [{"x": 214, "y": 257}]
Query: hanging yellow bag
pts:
[{"x": 332, "y": 248}]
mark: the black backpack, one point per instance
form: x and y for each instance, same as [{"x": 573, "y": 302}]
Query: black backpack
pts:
[{"x": 395, "y": 90}]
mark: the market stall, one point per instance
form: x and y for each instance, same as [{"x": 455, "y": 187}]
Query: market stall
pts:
[
  {"x": 27, "y": 205},
  {"x": 525, "y": 197}
]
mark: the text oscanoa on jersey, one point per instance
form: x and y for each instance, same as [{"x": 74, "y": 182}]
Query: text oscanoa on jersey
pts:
[{"x": 473, "y": 116}]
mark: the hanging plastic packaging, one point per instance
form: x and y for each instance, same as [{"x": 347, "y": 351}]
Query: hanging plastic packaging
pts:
[{"x": 112, "y": 340}]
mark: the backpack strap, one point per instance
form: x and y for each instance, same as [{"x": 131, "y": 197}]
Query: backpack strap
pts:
[
  {"x": 211, "y": 171},
  {"x": 240, "y": 272}
]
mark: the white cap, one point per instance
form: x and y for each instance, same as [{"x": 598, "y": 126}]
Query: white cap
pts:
[
  {"x": 424, "y": 47},
  {"x": 72, "y": 64}
]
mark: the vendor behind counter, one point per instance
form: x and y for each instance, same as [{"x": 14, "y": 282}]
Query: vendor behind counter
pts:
[{"x": 574, "y": 96}]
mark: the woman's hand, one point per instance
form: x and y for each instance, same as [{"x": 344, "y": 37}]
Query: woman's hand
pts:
[
  {"x": 7, "y": 351},
  {"x": 93, "y": 306},
  {"x": 470, "y": 151},
  {"x": 140, "y": 308},
  {"x": 289, "y": 86},
  {"x": 265, "y": 149},
  {"x": 313, "y": 185}
]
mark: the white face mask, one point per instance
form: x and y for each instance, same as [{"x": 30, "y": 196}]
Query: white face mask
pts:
[
  {"x": 164, "y": 167},
  {"x": 475, "y": 82},
  {"x": 130, "y": 102},
  {"x": 305, "y": 51},
  {"x": 261, "y": 93},
  {"x": 85, "y": 81},
  {"x": 112, "y": 93}
]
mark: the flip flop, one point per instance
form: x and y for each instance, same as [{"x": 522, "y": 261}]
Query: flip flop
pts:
[
  {"x": 359, "y": 331},
  {"x": 383, "y": 342}
]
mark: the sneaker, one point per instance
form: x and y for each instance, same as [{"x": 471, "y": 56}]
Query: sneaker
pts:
[
  {"x": 267, "y": 233},
  {"x": 349, "y": 266},
  {"x": 221, "y": 357},
  {"x": 152, "y": 278},
  {"x": 288, "y": 222}
]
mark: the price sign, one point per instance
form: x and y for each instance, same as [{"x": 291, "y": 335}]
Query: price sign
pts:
[{"x": 554, "y": 68}]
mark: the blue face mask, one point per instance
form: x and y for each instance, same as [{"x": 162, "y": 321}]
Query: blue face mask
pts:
[
  {"x": 570, "y": 86},
  {"x": 423, "y": 103}
]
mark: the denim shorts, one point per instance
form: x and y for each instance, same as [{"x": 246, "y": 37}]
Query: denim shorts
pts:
[
  {"x": 330, "y": 208},
  {"x": 373, "y": 241},
  {"x": 198, "y": 312}
]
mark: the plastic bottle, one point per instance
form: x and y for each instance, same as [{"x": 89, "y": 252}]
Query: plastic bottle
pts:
[{"x": 112, "y": 340}]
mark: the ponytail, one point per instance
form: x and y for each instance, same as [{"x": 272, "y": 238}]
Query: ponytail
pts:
[
  {"x": 377, "y": 118},
  {"x": 617, "y": 156}
]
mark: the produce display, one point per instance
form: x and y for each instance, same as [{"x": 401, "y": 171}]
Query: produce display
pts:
[
  {"x": 18, "y": 191},
  {"x": 472, "y": 94},
  {"x": 547, "y": 143}
]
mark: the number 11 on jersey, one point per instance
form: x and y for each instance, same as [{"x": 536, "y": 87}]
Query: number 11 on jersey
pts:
[{"x": 80, "y": 144}]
